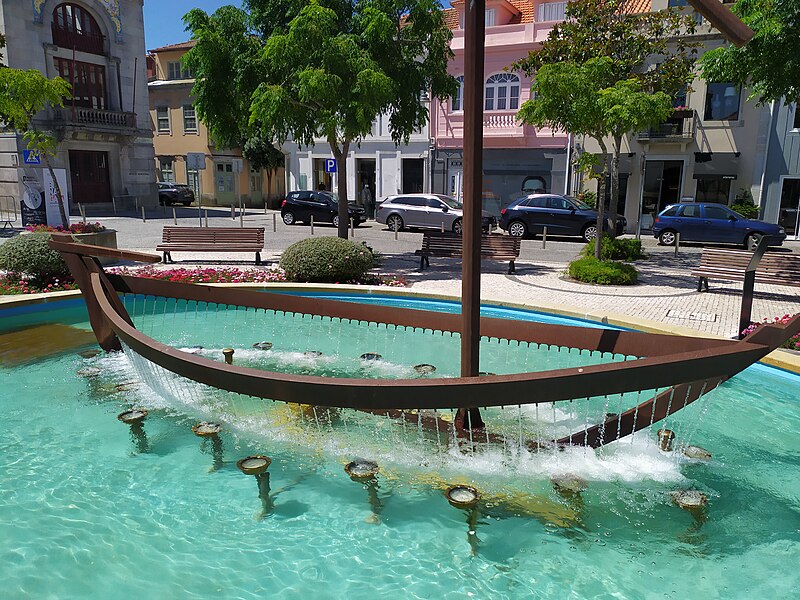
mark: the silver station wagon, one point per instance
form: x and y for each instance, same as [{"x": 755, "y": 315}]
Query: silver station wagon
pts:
[{"x": 426, "y": 211}]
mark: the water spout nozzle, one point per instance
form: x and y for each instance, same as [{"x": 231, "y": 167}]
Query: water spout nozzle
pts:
[{"x": 228, "y": 353}]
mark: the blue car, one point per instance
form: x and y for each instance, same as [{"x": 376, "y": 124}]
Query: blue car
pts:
[
  {"x": 562, "y": 215},
  {"x": 701, "y": 222}
]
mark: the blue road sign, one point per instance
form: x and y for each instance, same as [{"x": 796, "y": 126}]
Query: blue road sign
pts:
[
  {"x": 330, "y": 165},
  {"x": 31, "y": 157}
]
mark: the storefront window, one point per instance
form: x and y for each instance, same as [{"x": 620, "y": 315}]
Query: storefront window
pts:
[{"x": 713, "y": 189}]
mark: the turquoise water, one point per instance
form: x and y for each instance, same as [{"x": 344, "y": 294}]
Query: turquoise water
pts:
[{"x": 88, "y": 510}]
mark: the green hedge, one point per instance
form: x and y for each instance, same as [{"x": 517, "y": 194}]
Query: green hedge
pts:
[
  {"x": 616, "y": 249},
  {"x": 326, "y": 260},
  {"x": 748, "y": 211},
  {"x": 591, "y": 270},
  {"x": 29, "y": 255}
]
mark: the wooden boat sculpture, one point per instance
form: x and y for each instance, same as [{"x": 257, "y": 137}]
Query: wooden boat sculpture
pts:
[{"x": 684, "y": 368}]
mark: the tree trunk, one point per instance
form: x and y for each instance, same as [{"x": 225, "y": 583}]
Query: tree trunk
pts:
[
  {"x": 62, "y": 213},
  {"x": 341, "y": 166},
  {"x": 601, "y": 202},
  {"x": 614, "y": 192}
]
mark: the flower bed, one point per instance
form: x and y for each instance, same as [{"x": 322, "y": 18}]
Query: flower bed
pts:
[
  {"x": 12, "y": 285},
  {"x": 74, "y": 228},
  {"x": 204, "y": 275},
  {"x": 791, "y": 343}
]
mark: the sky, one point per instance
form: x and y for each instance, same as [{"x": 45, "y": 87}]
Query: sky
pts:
[{"x": 163, "y": 19}]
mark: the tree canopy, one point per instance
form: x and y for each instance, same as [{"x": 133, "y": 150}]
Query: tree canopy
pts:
[
  {"x": 770, "y": 63},
  {"x": 310, "y": 69},
  {"x": 603, "y": 28},
  {"x": 587, "y": 99},
  {"x": 23, "y": 93}
]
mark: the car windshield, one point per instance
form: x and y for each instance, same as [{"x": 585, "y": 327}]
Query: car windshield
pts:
[
  {"x": 450, "y": 201},
  {"x": 330, "y": 196},
  {"x": 579, "y": 203}
]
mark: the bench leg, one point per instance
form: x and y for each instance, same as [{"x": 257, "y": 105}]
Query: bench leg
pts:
[
  {"x": 702, "y": 283},
  {"x": 511, "y": 267},
  {"x": 258, "y": 258},
  {"x": 165, "y": 260}
]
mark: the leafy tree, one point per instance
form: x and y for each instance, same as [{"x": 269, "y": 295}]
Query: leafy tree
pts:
[
  {"x": 262, "y": 154},
  {"x": 23, "y": 93},
  {"x": 310, "y": 69},
  {"x": 586, "y": 99},
  {"x": 653, "y": 49},
  {"x": 770, "y": 63}
]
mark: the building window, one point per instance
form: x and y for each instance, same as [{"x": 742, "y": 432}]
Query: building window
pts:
[
  {"x": 722, "y": 102},
  {"x": 189, "y": 119},
  {"x": 162, "y": 119},
  {"x": 502, "y": 92},
  {"x": 489, "y": 17},
  {"x": 797, "y": 115},
  {"x": 88, "y": 82},
  {"x": 713, "y": 189},
  {"x": 256, "y": 180},
  {"x": 552, "y": 11},
  {"x": 73, "y": 27},
  {"x": 176, "y": 71},
  {"x": 167, "y": 168},
  {"x": 457, "y": 101}
]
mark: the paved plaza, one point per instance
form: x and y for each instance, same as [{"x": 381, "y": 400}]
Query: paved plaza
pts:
[{"x": 665, "y": 298}]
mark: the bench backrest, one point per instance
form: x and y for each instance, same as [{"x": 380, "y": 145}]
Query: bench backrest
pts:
[
  {"x": 213, "y": 235},
  {"x": 780, "y": 266},
  {"x": 490, "y": 244}
]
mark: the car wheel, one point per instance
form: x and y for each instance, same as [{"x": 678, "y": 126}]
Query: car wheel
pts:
[
  {"x": 517, "y": 229},
  {"x": 335, "y": 221},
  {"x": 752, "y": 240},
  {"x": 589, "y": 232},
  {"x": 457, "y": 227},
  {"x": 288, "y": 218},
  {"x": 187, "y": 203},
  {"x": 394, "y": 222},
  {"x": 667, "y": 238}
]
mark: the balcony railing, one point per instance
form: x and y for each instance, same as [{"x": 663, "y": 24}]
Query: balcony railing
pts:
[
  {"x": 93, "y": 43},
  {"x": 93, "y": 117},
  {"x": 675, "y": 129}
]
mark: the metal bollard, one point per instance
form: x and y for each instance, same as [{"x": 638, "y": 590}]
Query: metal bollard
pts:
[
  {"x": 233, "y": 212},
  {"x": 241, "y": 218},
  {"x": 114, "y": 205},
  {"x": 144, "y": 219},
  {"x": 206, "y": 217},
  {"x": 174, "y": 217},
  {"x": 312, "y": 224},
  {"x": 677, "y": 243},
  {"x": 82, "y": 211},
  {"x": 544, "y": 238},
  {"x": 442, "y": 226},
  {"x": 352, "y": 228},
  {"x": 396, "y": 229},
  {"x": 274, "y": 223}
]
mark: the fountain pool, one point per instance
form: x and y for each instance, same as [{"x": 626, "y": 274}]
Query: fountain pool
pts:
[{"x": 90, "y": 509}]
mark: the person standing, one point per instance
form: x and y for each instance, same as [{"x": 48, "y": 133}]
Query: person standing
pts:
[{"x": 367, "y": 201}]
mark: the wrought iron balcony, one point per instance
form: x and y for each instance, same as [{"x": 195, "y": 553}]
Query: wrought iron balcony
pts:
[{"x": 93, "y": 43}]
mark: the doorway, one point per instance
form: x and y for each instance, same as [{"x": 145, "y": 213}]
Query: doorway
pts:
[
  {"x": 365, "y": 176},
  {"x": 662, "y": 186},
  {"x": 223, "y": 183},
  {"x": 789, "y": 215},
  {"x": 89, "y": 176},
  {"x": 413, "y": 175},
  {"x": 321, "y": 178}
]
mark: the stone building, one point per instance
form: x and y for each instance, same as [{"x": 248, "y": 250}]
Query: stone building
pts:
[{"x": 104, "y": 131}]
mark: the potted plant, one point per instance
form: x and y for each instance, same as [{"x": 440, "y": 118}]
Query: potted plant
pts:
[
  {"x": 93, "y": 234},
  {"x": 682, "y": 112}
]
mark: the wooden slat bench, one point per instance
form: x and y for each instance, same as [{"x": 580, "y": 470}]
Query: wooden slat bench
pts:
[
  {"x": 494, "y": 247},
  {"x": 729, "y": 265},
  {"x": 211, "y": 239}
]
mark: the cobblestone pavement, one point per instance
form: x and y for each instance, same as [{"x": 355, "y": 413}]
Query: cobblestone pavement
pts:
[{"x": 666, "y": 293}]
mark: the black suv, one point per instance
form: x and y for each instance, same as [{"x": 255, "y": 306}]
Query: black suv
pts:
[
  {"x": 323, "y": 206},
  {"x": 174, "y": 193}
]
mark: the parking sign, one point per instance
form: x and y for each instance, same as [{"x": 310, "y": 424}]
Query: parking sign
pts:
[{"x": 330, "y": 165}]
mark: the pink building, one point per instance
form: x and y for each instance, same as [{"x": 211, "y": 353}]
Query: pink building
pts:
[{"x": 517, "y": 159}]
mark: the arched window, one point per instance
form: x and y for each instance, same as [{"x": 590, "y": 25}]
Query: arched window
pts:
[
  {"x": 74, "y": 27},
  {"x": 457, "y": 101},
  {"x": 502, "y": 92}
]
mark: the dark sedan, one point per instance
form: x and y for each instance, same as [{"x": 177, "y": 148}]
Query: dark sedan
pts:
[
  {"x": 701, "y": 222},
  {"x": 562, "y": 215},
  {"x": 301, "y": 206},
  {"x": 174, "y": 193}
]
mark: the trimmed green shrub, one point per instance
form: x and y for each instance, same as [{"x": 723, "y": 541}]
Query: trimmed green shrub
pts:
[
  {"x": 591, "y": 270},
  {"x": 29, "y": 255},
  {"x": 748, "y": 211},
  {"x": 616, "y": 249},
  {"x": 326, "y": 260}
]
